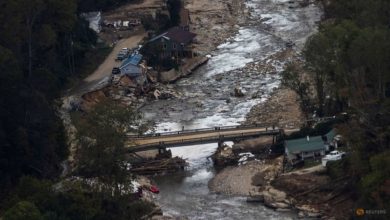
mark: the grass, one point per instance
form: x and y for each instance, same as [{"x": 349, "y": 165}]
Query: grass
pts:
[{"x": 311, "y": 163}]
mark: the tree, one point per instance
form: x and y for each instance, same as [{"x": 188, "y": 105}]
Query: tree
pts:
[
  {"x": 102, "y": 145},
  {"x": 174, "y": 7},
  {"x": 326, "y": 57},
  {"x": 22, "y": 211},
  {"x": 293, "y": 79}
]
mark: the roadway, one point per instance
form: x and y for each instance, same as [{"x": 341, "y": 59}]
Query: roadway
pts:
[{"x": 185, "y": 138}]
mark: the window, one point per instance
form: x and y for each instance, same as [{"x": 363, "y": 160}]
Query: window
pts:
[
  {"x": 174, "y": 46},
  {"x": 165, "y": 46}
]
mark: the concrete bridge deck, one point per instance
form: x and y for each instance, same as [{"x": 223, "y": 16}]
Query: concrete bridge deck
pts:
[{"x": 197, "y": 136}]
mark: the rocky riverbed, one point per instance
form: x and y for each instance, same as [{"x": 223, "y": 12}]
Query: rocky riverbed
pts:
[
  {"x": 254, "y": 39},
  {"x": 244, "y": 71}
]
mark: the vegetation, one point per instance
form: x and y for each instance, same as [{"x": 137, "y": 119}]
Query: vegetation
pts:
[
  {"x": 349, "y": 63},
  {"x": 174, "y": 7},
  {"x": 41, "y": 200},
  {"x": 101, "y": 5},
  {"x": 102, "y": 138},
  {"x": 43, "y": 44}
]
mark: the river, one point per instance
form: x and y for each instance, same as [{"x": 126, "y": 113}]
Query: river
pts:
[{"x": 206, "y": 101}]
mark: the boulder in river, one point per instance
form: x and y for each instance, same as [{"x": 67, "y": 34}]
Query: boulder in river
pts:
[{"x": 238, "y": 92}]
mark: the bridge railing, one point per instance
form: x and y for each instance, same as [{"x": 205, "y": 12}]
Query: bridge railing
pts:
[
  {"x": 207, "y": 139},
  {"x": 200, "y": 130}
]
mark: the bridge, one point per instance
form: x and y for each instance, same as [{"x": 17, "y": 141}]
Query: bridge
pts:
[{"x": 182, "y": 138}]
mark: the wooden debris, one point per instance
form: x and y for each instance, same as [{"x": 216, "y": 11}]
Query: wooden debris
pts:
[{"x": 159, "y": 166}]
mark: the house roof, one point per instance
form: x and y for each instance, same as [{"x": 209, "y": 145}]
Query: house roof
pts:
[
  {"x": 315, "y": 143},
  {"x": 131, "y": 70},
  {"x": 176, "y": 34},
  {"x": 302, "y": 145},
  {"x": 134, "y": 60}
]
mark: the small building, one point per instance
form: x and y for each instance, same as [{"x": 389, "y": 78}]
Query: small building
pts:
[
  {"x": 132, "y": 68},
  {"x": 174, "y": 43},
  {"x": 309, "y": 147}
]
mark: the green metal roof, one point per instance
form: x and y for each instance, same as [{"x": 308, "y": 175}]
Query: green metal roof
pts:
[
  {"x": 331, "y": 134},
  {"x": 303, "y": 145}
]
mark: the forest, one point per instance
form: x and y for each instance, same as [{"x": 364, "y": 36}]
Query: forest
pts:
[
  {"x": 44, "y": 44},
  {"x": 349, "y": 62}
]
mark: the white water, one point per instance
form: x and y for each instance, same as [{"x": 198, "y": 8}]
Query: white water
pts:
[{"x": 207, "y": 102}]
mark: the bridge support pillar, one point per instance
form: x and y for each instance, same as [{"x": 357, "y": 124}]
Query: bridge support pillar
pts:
[
  {"x": 164, "y": 153},
  {"x": 220, "y": 144}
]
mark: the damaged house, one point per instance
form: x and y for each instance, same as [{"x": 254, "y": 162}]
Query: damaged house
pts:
[{"x": 132, "y": 71}]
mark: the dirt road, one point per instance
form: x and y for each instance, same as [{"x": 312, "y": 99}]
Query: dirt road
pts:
[
  {"x": 105, "y": 68},
  {"x": 96, "y": 79}
]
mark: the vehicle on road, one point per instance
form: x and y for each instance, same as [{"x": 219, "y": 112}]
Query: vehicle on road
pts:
[
  {"x": 115, "y": 71},
  {"x": 123, "y": 53}
]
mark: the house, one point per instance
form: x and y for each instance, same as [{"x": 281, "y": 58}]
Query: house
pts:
[
  {"x": 309, "y": 147},
  {"x": 174, "y": 43},
  {"x": 133, "y": 69}
]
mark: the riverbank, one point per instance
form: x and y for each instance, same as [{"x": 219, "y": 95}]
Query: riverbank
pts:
[{"x": 215, "y": 21}]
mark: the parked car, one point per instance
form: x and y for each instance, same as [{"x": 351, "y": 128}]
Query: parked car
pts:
[
  {"x": 123, "y": 53},
  {"x": 332, "y": 156},
  {"x": 115, "y": 70},
  {"x": 154, "y": 189}
]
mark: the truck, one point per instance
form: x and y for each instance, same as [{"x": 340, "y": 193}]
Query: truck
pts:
[{"x": 332, "y": 156}]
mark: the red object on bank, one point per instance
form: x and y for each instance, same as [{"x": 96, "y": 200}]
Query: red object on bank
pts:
[{"x": 154, "y": 189}]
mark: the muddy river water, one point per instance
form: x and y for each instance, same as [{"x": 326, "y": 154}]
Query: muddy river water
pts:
[{"x": 205, "y": 101}]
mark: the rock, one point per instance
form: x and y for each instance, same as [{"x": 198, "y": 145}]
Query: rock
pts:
[
  {"x": 257, "y": 198},
  {"x": 238, "y": 92},
  {"x": 281, "y": 205},
  {"x": 308, "y": 211},
  {"x": 71, "y": 103},
  {"x": 258, "y": 179},
  {"x": 277, "y": 195},
  {"x": 218, "y": 78}
]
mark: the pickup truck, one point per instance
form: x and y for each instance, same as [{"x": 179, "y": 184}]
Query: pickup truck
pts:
[{"x": 332, "y": 156}]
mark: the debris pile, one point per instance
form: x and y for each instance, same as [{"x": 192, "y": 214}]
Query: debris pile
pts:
[
  {"x": 224, "y": 156},
  {"x": 158, "y": 166}
]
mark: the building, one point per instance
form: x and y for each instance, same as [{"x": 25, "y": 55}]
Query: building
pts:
[
  {"x": 176, "y": 42},
  {"x": 309, "y": 147},
  {"x": 133, "y": 69}
]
